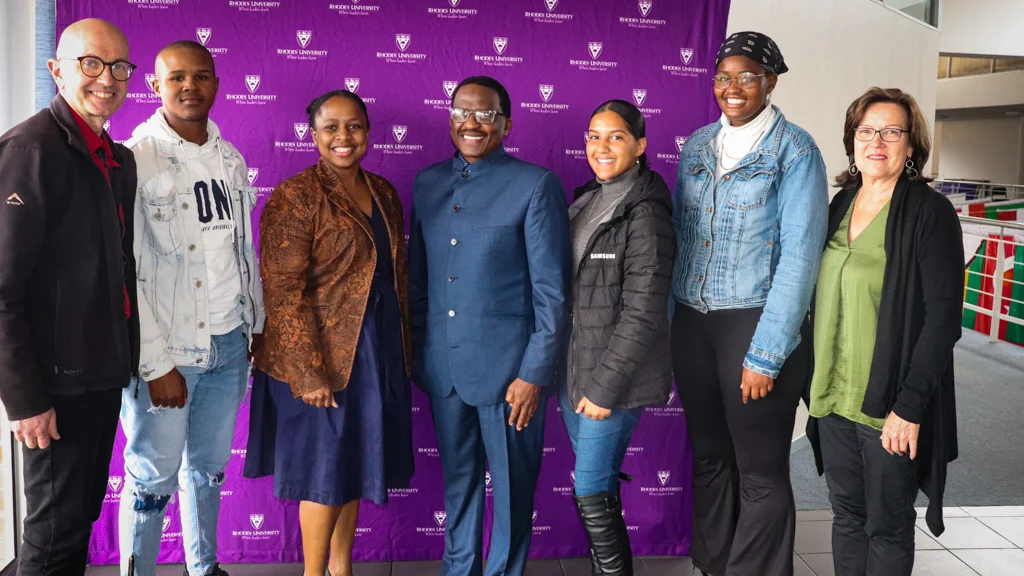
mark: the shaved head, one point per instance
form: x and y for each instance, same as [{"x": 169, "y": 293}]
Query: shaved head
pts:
[
  {"x": 184, "y": 49},
  {"x": 94, "y": 98},
  {"x": 78, "y": 36}
]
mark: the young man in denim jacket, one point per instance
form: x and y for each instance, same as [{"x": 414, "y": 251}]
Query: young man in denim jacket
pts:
[{"x": 201, "y": 314}]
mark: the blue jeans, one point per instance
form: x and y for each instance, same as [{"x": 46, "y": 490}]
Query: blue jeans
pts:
[
  {"x": 170, "y": 449},
  {"x": 599, "y": 445}
]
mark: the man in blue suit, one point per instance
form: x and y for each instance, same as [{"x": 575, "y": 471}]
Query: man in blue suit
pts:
[{"x": 489, "y": 259}]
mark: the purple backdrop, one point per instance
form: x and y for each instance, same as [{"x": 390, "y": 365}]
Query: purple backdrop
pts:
[{"x": 559, "y": 59}]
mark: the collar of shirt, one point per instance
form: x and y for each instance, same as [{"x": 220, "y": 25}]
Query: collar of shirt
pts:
[
  {"x": 459, "y": 161},
  {"x": 96, "y": 142}
]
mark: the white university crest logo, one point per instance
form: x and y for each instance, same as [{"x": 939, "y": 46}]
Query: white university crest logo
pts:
[
  {"x": 203, "y": 35},
  {"x": 672, "y": 395},
  {"x": 546, "y": 90},
  {"x": 595, "y": 49},
  {"x": 403, "y": 41},
  {"x": 303, "y": 36},
  {"x": 680, "y": 141},
  {"x": 663, "y": 476},
  {"x": 487, "y": 478},
  {"x": 301, "y": 129},
  {"x": 573, "y": 476},
  {"x": 500, "y": 44},
  {"x": 256, "y": 520},
  {"x": 106, "y": 125},
  {"x": 534, "y": 516},
  {"x": 252, "y": 175},
  {"x": 440, "y": 516},
  {"x": 400, "y": 132},
  {"x": 167, "y": 522},
  {"x": 639, "y": 96},
  {"x": 454, "y": 3},
  {"x": 149, "y": 82},
  {"x": 686, "y": 54},
  {"x": 645, "y": 7},
  {"x": 449, "y": 87},
  {"x": 551, "y": 4},
  {"x": 113, "y": 481},
  {"x": 252, "y": 82},
  {"x": 352, "y": 84}
]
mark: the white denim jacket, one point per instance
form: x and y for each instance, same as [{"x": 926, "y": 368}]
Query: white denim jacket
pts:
[{"x": 169, "y": 249}]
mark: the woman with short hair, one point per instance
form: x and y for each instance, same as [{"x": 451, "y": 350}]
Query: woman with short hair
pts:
[{"x": 886, "y": 316}]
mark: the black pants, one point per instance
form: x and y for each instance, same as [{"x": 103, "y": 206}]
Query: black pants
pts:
[
  {"x": 744, "y": 517},
  {"x": 65, "y": 485},
  {"x": 872, "y": 494}
]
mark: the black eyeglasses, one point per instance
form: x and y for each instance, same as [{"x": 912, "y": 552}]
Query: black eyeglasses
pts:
[
  {"x": 865, "y": 134},
  {"x": 461, "y": 115},
  {"x": 93, "y": 67}
]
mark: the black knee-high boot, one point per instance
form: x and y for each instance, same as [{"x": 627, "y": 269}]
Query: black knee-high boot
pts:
[{"x": 610, "y": 554}]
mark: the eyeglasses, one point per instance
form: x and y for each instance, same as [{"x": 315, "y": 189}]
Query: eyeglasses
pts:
[
  {"x": 461, "y": 115},
  {"x": 93, "y": 67},
  {"x": 745, "y": 80},
  {"x": 865, "y": 134}
]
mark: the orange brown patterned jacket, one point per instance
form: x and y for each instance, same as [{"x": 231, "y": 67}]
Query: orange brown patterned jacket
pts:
[{"x": 317, "y": 259}]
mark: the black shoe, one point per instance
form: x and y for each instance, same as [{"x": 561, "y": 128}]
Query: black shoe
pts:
[
  {"x": 215, "y": 571},
  {"x": 610, "y": 554}
]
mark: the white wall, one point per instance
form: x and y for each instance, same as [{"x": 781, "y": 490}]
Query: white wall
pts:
[
  {"x": 982, "y": 149},
  {"x": 17, "y": 60},
  {"x": 831, "y": 63},
  {"x": 982, "y": 27},
  {"x": 982, "y": 91}
]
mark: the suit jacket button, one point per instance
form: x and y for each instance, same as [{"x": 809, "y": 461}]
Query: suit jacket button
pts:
[
  {"x": 451, "y": 313},
  {"x": 464, "y": 175},
  {"x": 456, "y": 208},
  {"x": 454, "y": 241}
]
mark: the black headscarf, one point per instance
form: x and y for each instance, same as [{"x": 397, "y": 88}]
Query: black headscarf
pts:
[{"x": 757, "y": 47}]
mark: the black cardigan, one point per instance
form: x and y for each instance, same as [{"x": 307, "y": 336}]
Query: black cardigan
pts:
[{"x": 919, "y": 320}]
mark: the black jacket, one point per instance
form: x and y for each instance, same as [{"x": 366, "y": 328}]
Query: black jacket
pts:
[
  {"x": 63, "y": 265},
  {"x": 919, "y": 320},
  {"x": 619, "y": 354}
]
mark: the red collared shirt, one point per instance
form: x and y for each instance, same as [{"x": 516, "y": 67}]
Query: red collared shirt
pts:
[{"x": 95, "y": 143}]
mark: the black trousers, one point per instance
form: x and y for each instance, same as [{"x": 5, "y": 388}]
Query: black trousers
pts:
[
  {"x": 744, "y": 517},
  {"x": 872, "y": 494},
  {"x": 65, "y": 485}
]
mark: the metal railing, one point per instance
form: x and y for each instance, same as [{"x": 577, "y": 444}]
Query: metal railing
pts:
[
  {"x": 1003, "y": 234},
  {"x": 966, "y": 191}
]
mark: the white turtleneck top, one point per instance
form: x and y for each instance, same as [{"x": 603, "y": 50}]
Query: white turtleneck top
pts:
[{"x": 734, "y": 142}]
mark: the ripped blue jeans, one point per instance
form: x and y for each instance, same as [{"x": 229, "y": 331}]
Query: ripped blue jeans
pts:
[{"x": 186, "y": 449}]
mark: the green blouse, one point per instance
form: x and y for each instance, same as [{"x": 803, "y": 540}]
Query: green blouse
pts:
[{"x": 846, "y": 318}]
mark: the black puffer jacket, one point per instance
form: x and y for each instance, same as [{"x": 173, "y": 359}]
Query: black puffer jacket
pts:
[{"x": 618, "y": 353}]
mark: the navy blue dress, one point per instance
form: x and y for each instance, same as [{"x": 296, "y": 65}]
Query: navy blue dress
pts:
[{"x": 361, "y": 449}]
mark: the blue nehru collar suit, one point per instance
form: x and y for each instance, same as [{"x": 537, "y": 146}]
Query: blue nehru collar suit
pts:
[{"x": 489, "y": 262}]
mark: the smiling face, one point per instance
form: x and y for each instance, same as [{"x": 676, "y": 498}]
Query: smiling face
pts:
[
  {"x": 475, "y": 140},
  {"x": 611, "y": 148},
  {"x": 186, "y": 83},
  {"x": 738, "y": 103},
  {"x": 878, "y": 159},
  {"x": 94, "y": 99},
  {"x": 341, "y": 133}
]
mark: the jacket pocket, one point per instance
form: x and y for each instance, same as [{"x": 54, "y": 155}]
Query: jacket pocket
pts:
[
  {"x": 750, "y": 186},
  {"x": 162, "y": 224}
]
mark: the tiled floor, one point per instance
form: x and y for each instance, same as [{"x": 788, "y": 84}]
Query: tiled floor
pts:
[{"x": 984, "y": 541}]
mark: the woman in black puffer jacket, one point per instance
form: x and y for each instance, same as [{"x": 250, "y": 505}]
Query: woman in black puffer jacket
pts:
[{"x": 618, "y": 359}]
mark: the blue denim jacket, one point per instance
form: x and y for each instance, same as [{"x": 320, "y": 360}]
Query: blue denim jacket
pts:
[{"x": 754, "y": 237}]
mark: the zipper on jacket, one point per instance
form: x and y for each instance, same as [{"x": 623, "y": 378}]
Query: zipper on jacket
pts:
[{"x": 575, "y": 301}]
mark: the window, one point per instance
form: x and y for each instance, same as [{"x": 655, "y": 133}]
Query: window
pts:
[{"x": 926, "y": 11}]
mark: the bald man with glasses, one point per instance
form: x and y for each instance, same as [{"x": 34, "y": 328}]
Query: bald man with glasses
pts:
[{"x": 69, "y": 335}]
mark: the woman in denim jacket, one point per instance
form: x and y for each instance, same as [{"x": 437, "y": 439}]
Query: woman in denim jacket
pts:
[{"x": 750, "y": 215}]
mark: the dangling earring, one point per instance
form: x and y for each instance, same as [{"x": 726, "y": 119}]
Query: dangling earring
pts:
[
  {"x": 911, "y": 171},
  {"x": 853, "y": 169}
]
